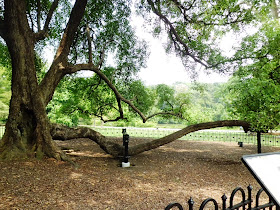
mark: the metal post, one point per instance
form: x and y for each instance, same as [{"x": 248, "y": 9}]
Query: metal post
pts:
[
  {"x": 224, "y": 198},
  {"x": 125, "y": 162},
  {"x": 250, "y": 188},
  {"x": 123, "y": 132},
  {"x": 126, "y": 140},
  {"x": 259, "y": 142}
]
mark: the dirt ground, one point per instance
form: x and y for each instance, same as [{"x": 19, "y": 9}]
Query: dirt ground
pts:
[{"x": 172, "y": 173}]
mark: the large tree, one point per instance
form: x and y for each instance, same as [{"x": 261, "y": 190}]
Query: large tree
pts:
[
  {"x": 84, "y": 32},
  {"x": 255, "y": 87}
]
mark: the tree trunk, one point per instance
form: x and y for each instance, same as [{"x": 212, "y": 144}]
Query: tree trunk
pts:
[
  {"x": 61, "y": 132},
  {"x": 27, "y": 129}
]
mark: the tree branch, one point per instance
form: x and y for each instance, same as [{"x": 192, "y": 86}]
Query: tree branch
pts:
[
  {"x": 102, "y": 54},
  {"x": 165, "y": 113},
  {"x": 2, "y": 28},
  {"x": 89, "y": 44},
  {"x": 174, "y": 33},
  {"x": 188, "y": 19},
  {"x": 43, "y": 33},
  {"x": 39, "y": 15},
  {"x": 118, "y": 96},
  {"x": 71, "y": 29},
  {"x": 31, "y": 20},
  {"x": 56, "y": 71},
  {"x": 50, "y": 14},
  {"x": 62, "y": 132},
  {"x": 137, "y": 149}
]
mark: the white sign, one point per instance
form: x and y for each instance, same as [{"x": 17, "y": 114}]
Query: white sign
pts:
[{"x": 266, "y": 169}]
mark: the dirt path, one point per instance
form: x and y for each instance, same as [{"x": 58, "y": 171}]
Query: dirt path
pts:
[{"x": 174, "y": 172}]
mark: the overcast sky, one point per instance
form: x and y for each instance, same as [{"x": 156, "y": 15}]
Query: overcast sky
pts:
[
  {"x": 162, "y": 68},
  {"x": 166, "y": 68}
]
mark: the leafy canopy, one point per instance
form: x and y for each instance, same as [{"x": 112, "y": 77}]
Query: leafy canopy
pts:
[{"x": 254, "y": 89}]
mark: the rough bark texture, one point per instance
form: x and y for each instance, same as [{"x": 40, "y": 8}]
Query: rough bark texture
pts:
[
  {"x": 61, "y": 132},
  {"x": 27, "y": 131}
]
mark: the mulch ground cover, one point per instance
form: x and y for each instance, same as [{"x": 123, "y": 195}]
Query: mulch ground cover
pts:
[{"x": 171, "y": 173}]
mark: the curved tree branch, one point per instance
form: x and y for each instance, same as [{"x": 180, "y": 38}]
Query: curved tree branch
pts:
[
  {"x": 61, "y": 132},
  {"x": 119, "y": 97},
  {"x": 189, "y": 129}
]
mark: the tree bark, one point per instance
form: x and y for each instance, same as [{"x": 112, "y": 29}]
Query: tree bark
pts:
[
  {"x": 61, "y": 132},
  {"x": 27, "y": 131}
]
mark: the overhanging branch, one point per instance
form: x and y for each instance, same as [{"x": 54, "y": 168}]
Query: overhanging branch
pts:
[
  {"x": 118, "y": 96},
  {"x": 183, "y": 10},
  {"x": 174, "y": 33},
  {"x": 89, "y": 44}
]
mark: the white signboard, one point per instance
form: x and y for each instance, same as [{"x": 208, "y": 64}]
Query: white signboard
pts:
[{"x": 266, "y": 169}]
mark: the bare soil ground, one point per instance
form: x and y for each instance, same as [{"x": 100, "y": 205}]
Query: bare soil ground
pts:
[{"x": 172, "y": 173}]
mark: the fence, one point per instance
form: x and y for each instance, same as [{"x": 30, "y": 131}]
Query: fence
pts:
[
  {"x": 204, "y": 135},
  {"x": 245, "y": 203}
]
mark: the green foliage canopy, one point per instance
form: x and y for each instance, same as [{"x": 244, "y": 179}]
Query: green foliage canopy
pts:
[
  {"x": 255, "y": 88},
  {"x": 194, "y": 27}
]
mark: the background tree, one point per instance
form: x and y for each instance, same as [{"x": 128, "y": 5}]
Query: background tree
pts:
[
  {"x": 5, "y": 84},
  {"x": 84, "y": 98},
  {"x": 206, "y": 103},
  {"x": 254, "y": 89},
  {"x": 84, "y": 33},
  {"x": 5, "y": 95}
]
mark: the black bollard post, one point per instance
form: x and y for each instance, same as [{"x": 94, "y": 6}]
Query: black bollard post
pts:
[
  {"x": 123, "y": 132},
  {"x": 259, "y": 142},
  {"x": 125, "y": 162}
]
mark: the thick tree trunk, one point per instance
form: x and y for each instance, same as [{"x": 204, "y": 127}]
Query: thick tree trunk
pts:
[
  {"x": 27, "y": 129},
  {"x": 61, "y": 132}
]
